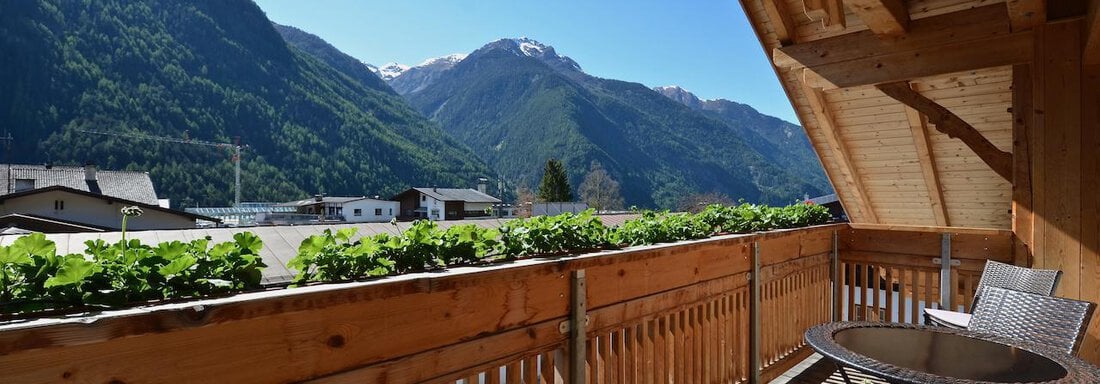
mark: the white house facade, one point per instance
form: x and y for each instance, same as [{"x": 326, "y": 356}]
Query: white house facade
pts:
[
  {"x": 75, "y": 206},
  {"x": 368, "y": 210}
]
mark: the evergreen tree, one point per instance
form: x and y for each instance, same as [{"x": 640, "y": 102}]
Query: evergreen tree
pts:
[
  {"x": 555, "y": 184},
  {"x": 599, "y": 190}
]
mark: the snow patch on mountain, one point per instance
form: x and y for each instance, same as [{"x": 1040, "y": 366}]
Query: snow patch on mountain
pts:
[
  {"x": 683, "y": 96},
  {"x": 389, "y": 71},
  {"x": 450, "y": 60},
  {"x": 415, "y": 78},
  {"x": 529, "y": 47}
]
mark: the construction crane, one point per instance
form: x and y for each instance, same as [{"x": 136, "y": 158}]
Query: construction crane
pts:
[{"x": 235, "y": 147}]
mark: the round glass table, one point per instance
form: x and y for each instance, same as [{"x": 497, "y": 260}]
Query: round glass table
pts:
[{"x": 902, "y": 353}]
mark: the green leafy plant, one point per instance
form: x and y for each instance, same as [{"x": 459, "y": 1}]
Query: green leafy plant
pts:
[
  {"x": 661, "y": 227},
  {"x": 330, "y": 257},
  {"x": 33, "y": 277},
  {"x": 424, "y": 246},
  {"x": 336, "y": 257},
  {"x": 553, "y": 234}
]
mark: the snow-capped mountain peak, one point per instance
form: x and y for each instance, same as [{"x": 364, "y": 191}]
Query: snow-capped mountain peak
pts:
[
  {"x": 412, "y": 79},
  {"x": 529, "y": 47},
  {"x": 449, "y": 60},
  {"x": 389, "y": 71},
  {"x": 675, "y": 92},
  {"x": 671, "y": 88},
  {"x": 532, "y": 48}
]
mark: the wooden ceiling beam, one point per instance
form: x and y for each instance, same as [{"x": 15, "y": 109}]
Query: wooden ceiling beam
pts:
[
  {"x": 1091, "y": 55},
  {"x": 1025, "y": 14},
  {"x": 951, "y": 125},
  {"x": 883, "y": 17},
  {"x": 960, "y": 41},
  {"x": 829, "y": 12},
  {"x": 848, "y": 175},
  {"x": 918, "y": 125},
  {"x": 781, "y": 21}
]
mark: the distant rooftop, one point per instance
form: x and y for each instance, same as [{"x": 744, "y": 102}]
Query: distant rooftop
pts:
[
  {"x": 128, "y": 185},
  {"x": 324, "y": 199},
  {"x": 458, "y": 194},
  {"x": 826, "y": 199}
]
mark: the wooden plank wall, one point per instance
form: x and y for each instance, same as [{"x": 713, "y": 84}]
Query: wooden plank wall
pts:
[
  {"x": 1062, "y": 230},
  {"x": 654, "y": 313}
]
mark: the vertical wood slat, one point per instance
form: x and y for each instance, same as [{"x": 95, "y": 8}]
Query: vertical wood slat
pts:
[
  {"x": 697, "y": 345},
  {"x": 681, "y": 351},
  {"x": 689, "y": 345},
  {"x": 917, "y": 295},
  {"x": 530, "y": 370},
  {"x": 612, "y": 352},
  {"x": 591, "y": 364},
  {"x": 890, "y": 316},
  {"x": 928, "y": 291},
  {"x": 630, "y": 351},
  {"x": 513, "y": 372},
  {"x": 646, "y": 358},
  {"x": 547, "y": 371},
  {"x": 708, "y": 345},
  {"x": 852, "y": 283},
  {"x": 721, "y": 342},
  {"x": 491, "y": 376},
  {"x": 873, "y": 282},
  {"x": 754, "y": 365},
  {"x": 660, "y": 351}
]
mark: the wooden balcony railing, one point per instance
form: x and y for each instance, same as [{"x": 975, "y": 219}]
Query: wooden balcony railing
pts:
[
  {"x": 898, "y": 272},
  {"x": 728, "y": 309}
]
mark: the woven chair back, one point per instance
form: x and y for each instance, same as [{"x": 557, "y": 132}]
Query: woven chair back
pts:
[
  {"x": 1008, "y": 276},
  {"x": 1052, "y": 321}
]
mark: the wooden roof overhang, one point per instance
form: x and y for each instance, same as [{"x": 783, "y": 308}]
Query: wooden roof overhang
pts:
[{"x": 909, "y": 104}]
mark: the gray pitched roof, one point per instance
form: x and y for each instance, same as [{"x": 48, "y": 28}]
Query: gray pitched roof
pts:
[
  {"x": 826, "y": 199},
  {"x": 128, "y": 185},
  {"x": 64, "y": 189},
  {"x": 458, "y": 194},
  {"x": 325, "y": 199}
]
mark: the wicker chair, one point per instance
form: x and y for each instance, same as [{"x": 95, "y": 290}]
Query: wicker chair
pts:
[
  {"x": 1052, "y": 321},
  {"x": 1001, "y": 275}
]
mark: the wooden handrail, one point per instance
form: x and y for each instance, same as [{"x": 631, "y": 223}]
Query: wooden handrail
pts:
[{"x": 668, "y": 312}]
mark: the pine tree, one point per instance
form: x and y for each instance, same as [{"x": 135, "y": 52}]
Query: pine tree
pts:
[{"x": 555, "y": 184}]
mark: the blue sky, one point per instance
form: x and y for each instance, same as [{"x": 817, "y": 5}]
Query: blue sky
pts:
[{"x": 705, "y": 46}]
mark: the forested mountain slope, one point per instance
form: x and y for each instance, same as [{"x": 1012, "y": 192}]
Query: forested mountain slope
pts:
[
  {"x": 213, "y": 70},
  {"x": 516, "y": 103}
]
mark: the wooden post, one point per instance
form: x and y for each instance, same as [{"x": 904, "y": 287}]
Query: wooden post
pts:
[
  {"x": 1022, "y": 121},
  {"x": 577, "y": 317},
  {"x": 834, "y": 274},
  {"x": 754, "y": 316},
  {"x": 945, "y": 272}
]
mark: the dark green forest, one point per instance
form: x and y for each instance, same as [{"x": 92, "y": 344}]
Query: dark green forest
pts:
[
  {"x": 517, "y": 111},
  {"x": 211, "y": 70}
]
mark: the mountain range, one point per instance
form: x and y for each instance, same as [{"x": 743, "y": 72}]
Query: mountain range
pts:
[
  {"x": 212, "y": 70},
  {"x": 316, "y": 120},
  {"x": 781, "y": 142},
  {"x": 517, "y": 103}
]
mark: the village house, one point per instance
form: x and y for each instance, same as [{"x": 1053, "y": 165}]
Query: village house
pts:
[
  {"x": 48, "y": 198},
  {"x": 351, "y": 209},
  {"x": 442, "y": 204}
]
